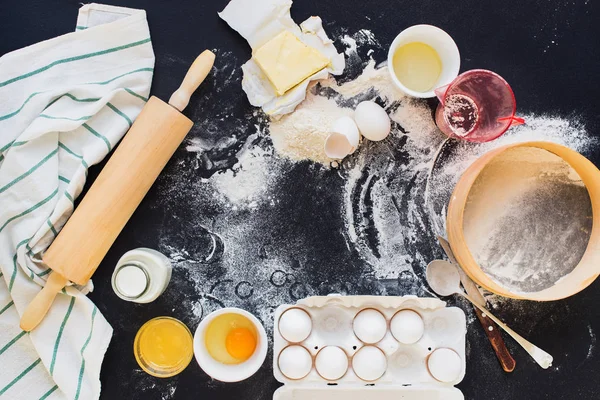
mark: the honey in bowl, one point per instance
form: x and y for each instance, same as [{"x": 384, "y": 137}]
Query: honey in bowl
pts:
[
  {"x": 163, "y": 347},
  {"x": 418, "y": 66},
  {"x": 231, "y": 338}
]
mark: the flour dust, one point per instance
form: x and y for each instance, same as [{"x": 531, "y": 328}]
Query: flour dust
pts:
[{"x": 254, "y": 215}]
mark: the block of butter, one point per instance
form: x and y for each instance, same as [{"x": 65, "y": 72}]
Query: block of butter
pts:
[{"x": 286, "y": 61}]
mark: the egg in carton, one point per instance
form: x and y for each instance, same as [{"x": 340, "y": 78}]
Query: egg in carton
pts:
[{"x": 346, "y": 347}]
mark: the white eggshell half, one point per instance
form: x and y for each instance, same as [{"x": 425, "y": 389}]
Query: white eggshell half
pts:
[
  {"x": 344, "y": 138},
  {"x": 295, "y": 325},
  {"x": 369, "y": 326},
  {"x": 407, "y": 326},
  {"x": 337, "y": 146},
  {"x": 444, "y": 365},
  {"x": 347, "y": 127},
  {"x": 372, "y": 121},
  {"x": 331, "y": 363},
  {"x": 295, "y": 362},
  {"x": 369, "y": 363}
]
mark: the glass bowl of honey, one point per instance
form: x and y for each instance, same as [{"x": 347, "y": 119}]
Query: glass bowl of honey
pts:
[
  {"x": 163, "y": 347},
  {"x": 421, "y": 59}
]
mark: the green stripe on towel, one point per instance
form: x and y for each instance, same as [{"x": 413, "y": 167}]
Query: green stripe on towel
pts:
[
  {"x": 93, "y": 132},
  {"x": 68, "y": 150},
  {"x": 82, "y": 369},
  {"x": 59, "y": 336},
  {"x": 44, "y": 273},
  {"x": 88, "y": 100},
  {"x": 7, "y": 346},
  {"x": 121, "y": 113},
  {"x": 15, "y": 267},
  {"x": 51, "y": 227},
  {"x": 12, "y": 114},
  {"x": 120, "y": 76},
  {"x": 71, "y": 152},
  {"x": 71, "y": 59},
  {"x": 18, "y": 378},
  {"x": 8, "y": 146},
  {"x": 84, "y": 118},
  {"x": 49, "y": 392},
  {"x": 69, "y": 95},
  {"x": 6, "y": 307},
  {"x": 32, "y": 208},
  {"x": 131, "y": 92},
  {"x": 68, "y": 196},
  {"x": 29, "y": 172}
]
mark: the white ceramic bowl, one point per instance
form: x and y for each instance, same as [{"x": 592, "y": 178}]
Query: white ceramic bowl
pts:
[
  {"x": 441, "y": 42},
  {"x": 235, "y": 372}
]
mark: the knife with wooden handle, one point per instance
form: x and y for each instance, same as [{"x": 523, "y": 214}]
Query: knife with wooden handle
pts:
[{"x": 491, "y": 329}]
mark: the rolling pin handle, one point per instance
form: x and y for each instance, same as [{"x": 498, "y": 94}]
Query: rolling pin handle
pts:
[
  {"x": 193, "y": 78},
  {"x": 39, "y": 306}
]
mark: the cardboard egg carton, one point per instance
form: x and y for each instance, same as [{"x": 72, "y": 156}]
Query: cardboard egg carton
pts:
[{"x": 407, "y": 373}]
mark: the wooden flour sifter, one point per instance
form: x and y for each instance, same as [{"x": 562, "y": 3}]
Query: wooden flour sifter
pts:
[{"x": 117, "y": 191}]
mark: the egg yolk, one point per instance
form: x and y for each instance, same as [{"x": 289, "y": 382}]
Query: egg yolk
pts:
[{"x": 240, "y": 343}]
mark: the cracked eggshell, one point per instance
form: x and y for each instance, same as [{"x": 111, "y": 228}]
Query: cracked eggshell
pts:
[
  {"x": 343, "y": 140},
  {"x": 372, "y": 121}
]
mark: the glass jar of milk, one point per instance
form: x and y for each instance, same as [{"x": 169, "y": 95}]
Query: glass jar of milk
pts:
[{"x": 141, "y": 275}]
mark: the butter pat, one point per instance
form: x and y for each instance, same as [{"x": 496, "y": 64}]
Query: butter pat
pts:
[{"x": 286, "y": 61}]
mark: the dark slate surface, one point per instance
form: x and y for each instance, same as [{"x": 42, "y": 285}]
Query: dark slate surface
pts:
[{"x": 548, "y": 50}]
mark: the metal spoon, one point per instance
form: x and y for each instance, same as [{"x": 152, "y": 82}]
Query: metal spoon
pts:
[{"x": 444, "y": 279}]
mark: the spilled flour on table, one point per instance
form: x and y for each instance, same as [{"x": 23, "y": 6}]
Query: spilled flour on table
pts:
[
  {"x": 255, "y": 217},
  {"x": 301, "y": 135}
]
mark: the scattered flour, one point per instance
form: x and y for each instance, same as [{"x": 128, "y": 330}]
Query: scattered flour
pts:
[
  {"x": 248, "y": 182},
  {"x": 301, "y": 135},
  {"x": 244, "y": 240},
  {"x": 593, "y": 340},
  {"x": 454, "y": 157},
  {"x": 390, "y": 205},
  {"x": 237, "y": 234}
]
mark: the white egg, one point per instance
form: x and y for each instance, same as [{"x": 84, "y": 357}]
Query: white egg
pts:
[
  {"x": 372, "y": 121},
  {"x": 343, "y": 140},
  {"x": 369, "y": 363},
  {"x": 407, "y": 326},
  {"x": 445, "y": 365},
  {"x": 331, "y": 363},
  {"x": 369, "y": 326},
  {"x": 295, "y": 325},
  {"x": 295, "y": 362}
]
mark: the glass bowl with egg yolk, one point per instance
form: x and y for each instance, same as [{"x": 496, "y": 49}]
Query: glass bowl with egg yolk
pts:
[
  {"x": 163, "y": 347},
  {"x": 231, "y": 338}
]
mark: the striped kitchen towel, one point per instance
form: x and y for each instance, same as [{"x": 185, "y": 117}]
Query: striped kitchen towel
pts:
[{"x": 64, "y": 105}]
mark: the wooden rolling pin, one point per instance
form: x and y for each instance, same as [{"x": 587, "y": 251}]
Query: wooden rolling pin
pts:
[{"x": 117, "y": 191}]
